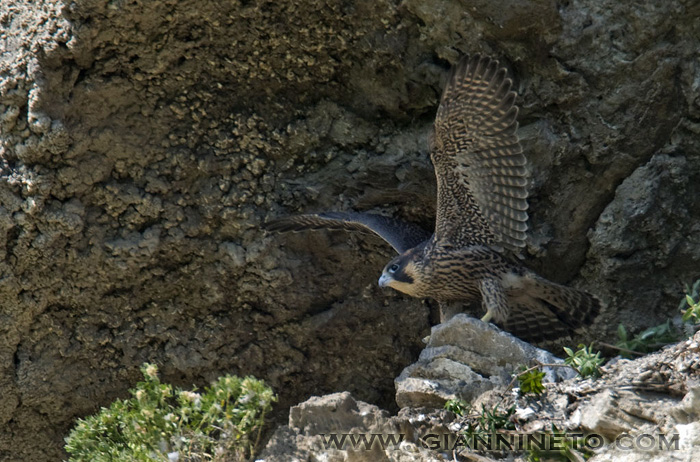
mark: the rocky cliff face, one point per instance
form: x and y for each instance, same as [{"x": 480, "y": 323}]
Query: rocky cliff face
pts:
[
  {"x": 646, "y": 409},
  {"x": 143, "y": 144}
]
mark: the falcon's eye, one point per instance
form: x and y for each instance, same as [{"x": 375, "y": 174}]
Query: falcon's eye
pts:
[{"x": 393, "y": 268}]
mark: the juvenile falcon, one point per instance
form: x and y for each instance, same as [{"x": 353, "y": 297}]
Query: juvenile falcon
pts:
[{"x": 481, "y": 211}]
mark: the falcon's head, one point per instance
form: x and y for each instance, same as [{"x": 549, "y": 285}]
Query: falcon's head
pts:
[{"x": 401, "y": 274}]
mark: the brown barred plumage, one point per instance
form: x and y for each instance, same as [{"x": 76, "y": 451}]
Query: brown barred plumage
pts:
[
  {"x": 482, "y": 194},
  {"x": 481, "y": 210}
]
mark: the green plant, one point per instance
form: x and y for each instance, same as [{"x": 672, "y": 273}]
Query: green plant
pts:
[
  {"x": 488, "y": 422},
  {"x": 584, "y": 360},
  {"x": 648, "y": 340},
  {"x": 530, "y": 380},
  {"x": 494, "y": 419},
  {"x": 457, "y": 406},
  {"x": 569, "y": 448},
  {"x": 160, "y": 423},
  {"x": 690, "y": 304}
]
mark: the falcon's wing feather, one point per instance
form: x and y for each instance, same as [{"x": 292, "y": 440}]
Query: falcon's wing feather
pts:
[
  {"x": 478, "y": 160},
  {"x": 401, "y": 235}
]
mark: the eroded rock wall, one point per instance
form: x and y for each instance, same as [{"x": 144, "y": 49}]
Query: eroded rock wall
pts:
[{"x": 143, "y": 144}]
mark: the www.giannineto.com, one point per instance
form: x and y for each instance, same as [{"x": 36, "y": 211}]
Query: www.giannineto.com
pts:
[{"x": 505, "y": 441}]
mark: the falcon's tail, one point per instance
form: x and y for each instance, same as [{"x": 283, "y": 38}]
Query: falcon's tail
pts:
[{"x": 545, "y": 310}]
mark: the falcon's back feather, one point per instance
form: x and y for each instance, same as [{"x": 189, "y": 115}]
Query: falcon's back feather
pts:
[
  {"x": 401, "y": 235},
  {"x": 478, "y": 160}
]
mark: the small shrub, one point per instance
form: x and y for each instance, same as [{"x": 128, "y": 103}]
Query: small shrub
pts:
[
  {"x": 457, "y": 406},
  {"x": 569, "y": 449},
  {"x": 648, "y": 340},
  {"x": 690, "y": 304},
  {"x": 494, "y": 419},
  {"x": 530, "y": 381},
  {"x": 584, "y": 361},
  {"x": 162, "y": 423},
  {"x": 488, "y": 422}
]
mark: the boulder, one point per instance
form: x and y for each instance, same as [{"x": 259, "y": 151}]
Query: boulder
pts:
[{"x": 464, "y": 358}]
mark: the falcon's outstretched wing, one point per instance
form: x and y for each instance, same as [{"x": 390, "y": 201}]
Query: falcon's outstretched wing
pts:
[
  {"x": 478, "y": 160},
  {"x": 399, "y": 234}
]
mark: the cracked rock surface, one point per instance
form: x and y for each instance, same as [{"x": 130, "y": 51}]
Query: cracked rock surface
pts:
[
  {"x": 628, "y": 403},
  {"x": 142, "y": 145},
  {"x": 464, "y": 358}
]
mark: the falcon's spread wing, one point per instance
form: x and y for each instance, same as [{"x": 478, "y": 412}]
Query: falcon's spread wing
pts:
[
  {"x": 479, "y": 165},
  {"x": 399, "y": 234}
]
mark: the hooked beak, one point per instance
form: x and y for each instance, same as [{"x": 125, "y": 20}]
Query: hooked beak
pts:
[{"x": 384, "y": 280}]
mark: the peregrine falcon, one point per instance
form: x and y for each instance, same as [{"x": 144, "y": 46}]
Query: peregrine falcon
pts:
[{"x": 481, "y": 215}]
